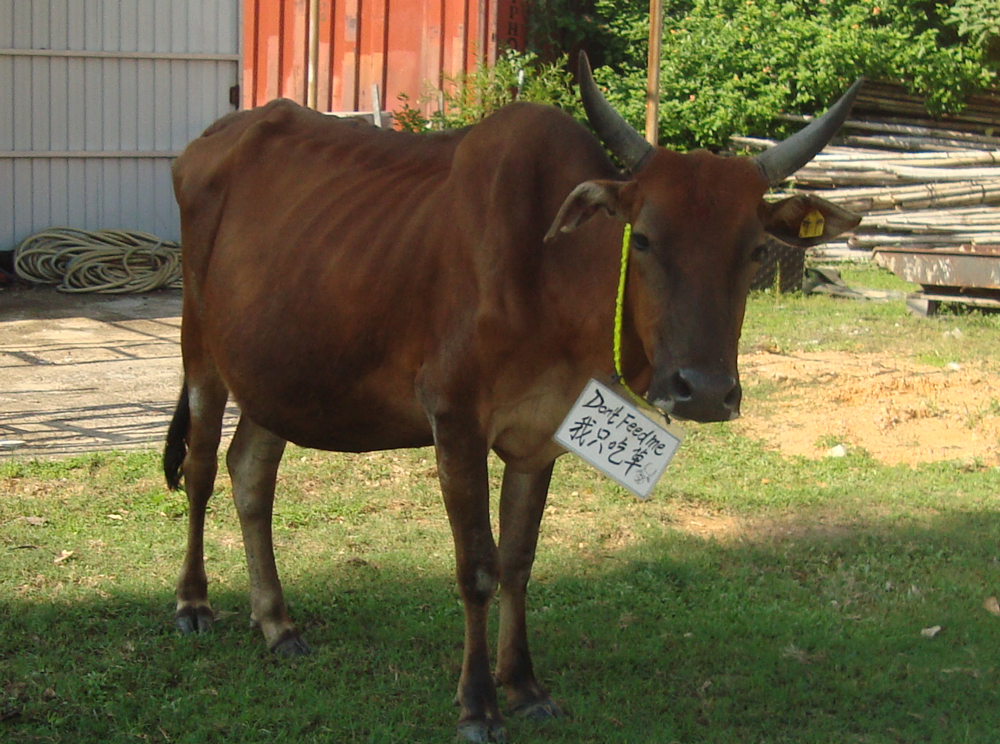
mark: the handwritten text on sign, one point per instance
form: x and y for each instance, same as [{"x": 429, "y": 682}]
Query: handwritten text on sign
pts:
[{"x": 617, "y": 438}]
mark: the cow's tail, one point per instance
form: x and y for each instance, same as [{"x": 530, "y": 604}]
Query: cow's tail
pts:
[{"x": 176, "y": 446}]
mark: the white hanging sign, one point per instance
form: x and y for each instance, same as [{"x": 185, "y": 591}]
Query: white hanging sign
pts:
[{"x": 618, "y": 439}]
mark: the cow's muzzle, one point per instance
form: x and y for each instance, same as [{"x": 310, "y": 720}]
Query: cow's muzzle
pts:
[{"x": 697, "y": 396}]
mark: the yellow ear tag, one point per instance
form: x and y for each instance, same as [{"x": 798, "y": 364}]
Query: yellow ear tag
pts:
[{"x": 812, "y": 225}]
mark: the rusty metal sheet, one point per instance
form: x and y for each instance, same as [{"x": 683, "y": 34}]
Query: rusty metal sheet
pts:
[
  {"x": 973, "y": 266},
  {"x": 404, "y": 46}
]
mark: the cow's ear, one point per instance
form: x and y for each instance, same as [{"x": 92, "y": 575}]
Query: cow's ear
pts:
[
  {"x": 587, "y": 199},
  {"x": 806, "y": 220}
]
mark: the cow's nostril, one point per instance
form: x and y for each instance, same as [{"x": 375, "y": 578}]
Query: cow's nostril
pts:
[
  {"x": 733, "y": 397},
  {"x": 680, "y": 388}
]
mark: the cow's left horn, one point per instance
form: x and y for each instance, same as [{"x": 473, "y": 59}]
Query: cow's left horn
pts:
[
  {"x": 788, "y": 156},
  {"x": 618, "y": 136}
]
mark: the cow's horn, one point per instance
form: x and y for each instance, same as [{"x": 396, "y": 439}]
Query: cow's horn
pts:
[
  {"x": 788, "y": 156},
  {"x": 617, "y": 135}
]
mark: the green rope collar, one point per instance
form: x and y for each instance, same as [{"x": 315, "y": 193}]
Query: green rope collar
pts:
[{"x": 619, "y": 313}]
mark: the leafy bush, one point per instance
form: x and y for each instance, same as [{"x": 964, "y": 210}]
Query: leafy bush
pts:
[
  {"x": 731, "y": 66},
  {"x": 979, "y": 20},
  {"x": 469, "y": 98},
  {"x": 563, "y": 26}
]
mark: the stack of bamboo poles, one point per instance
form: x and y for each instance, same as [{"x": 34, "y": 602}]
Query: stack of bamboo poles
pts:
[
  {"x": 891, "y": 101},
  {"x": 916, "y": 183}
]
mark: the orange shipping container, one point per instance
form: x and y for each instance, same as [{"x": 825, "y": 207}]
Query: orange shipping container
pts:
[{"x": 404, "y": 46}]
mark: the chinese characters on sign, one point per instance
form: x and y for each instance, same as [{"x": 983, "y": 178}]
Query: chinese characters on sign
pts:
[{"x": 617, "y": 438}]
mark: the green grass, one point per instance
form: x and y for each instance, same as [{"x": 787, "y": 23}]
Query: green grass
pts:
[
  {"x": 753, "y": 599},
  {"x": 793, "y": 322},
  {"x": 871, "y": 276},
  {"x": 806, "y": 629}
]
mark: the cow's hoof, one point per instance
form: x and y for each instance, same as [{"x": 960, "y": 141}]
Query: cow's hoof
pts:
[
  {"x": 538, "y": 710},
  {"x": 190, "y": 620},
  {"x": 291, "y": 645},
  {"x": 480, "y": 732}
]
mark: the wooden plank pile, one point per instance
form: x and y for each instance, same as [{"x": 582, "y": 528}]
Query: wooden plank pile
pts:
[{"x": 918, "y": 181}]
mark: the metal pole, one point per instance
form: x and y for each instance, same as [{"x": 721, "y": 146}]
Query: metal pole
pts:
[
  {"x": 653, "y": 78},
  {"x": 312, "y": 69}
]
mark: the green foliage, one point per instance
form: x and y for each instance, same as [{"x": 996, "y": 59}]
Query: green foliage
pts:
[
  {"x": 409, "y": 118},
  {"x": 733, "y": 66},
  {"x": 979, "y": 20},
  {"x": 563, "y": 25},
  {"x": 516, "y": 76}
]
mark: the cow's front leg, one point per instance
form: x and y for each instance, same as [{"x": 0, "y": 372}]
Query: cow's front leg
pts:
[
  {"x": 253, "y": 461},
  {"x": 461, "y": 456},
  {"x": 522, "y": 501}
]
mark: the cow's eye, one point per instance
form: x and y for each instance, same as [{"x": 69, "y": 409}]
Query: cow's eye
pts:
[
  {"x": 759, "y": 253},
  {"x": 640, "y": 242}
]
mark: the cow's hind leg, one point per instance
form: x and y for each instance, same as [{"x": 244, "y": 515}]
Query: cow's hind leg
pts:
[
  {"x": 522, "y": 501},
  {"x": 461, "y": 457},
  {"x": 192, "y": 450},
  {"x": 253, "y": 461}
]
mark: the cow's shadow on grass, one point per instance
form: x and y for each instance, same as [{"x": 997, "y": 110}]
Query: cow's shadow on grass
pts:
[{"x": 797, "y": 639}]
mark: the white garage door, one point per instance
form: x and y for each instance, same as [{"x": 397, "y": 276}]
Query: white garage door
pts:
[{"x": 100, "y": 96}]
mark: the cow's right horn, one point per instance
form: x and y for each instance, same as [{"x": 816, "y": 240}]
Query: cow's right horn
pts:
[
  {"x": 788, "y": 156},
  {"x": 618, "y": 136}
]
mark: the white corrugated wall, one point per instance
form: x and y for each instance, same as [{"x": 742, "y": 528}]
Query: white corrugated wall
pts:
[{"x": 96, "y": 98}]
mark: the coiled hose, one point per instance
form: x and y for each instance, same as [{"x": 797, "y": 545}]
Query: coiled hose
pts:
[{"x": 106, "y": 261}]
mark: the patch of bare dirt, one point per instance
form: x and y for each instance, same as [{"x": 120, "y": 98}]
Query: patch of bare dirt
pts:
[
  {"x": 900, "y": 411},
  {"x": 710, "y": 524},
  {"x": 706, "y": 523}
]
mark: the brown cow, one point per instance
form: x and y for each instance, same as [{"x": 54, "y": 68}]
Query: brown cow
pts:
[{"x": 356, "y": 289}]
